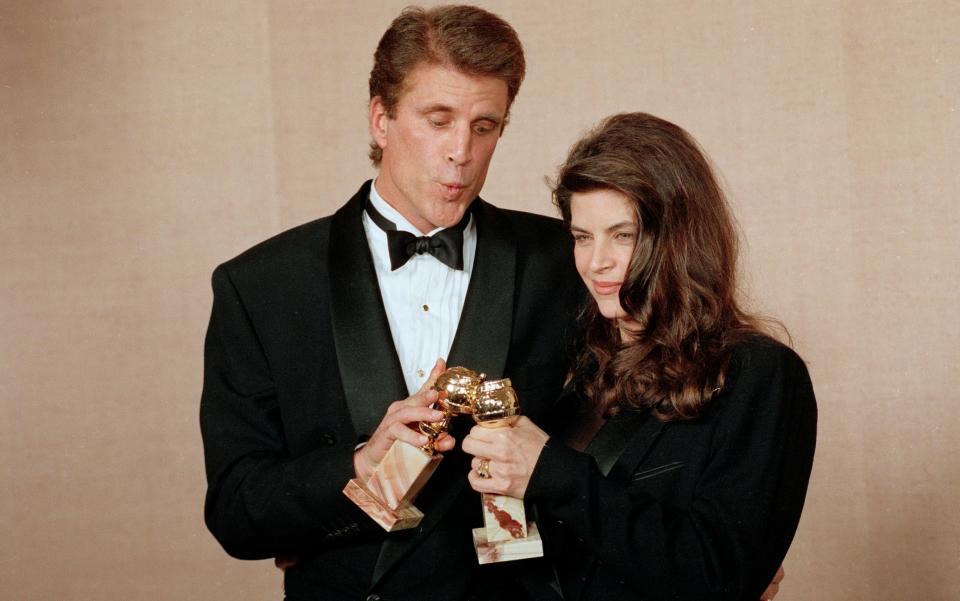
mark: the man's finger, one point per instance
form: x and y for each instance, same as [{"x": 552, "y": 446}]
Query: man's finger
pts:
[
  {"x": 439, "y": 367},
  {"x": 416, "y": 413},
  {"x": 444, "y": 441},
  {"x": 401, "y": 432},
  {"x": 423, "y": 398},
  {"x": 445, "y": 444},
  {"x": 770, "y": 593}
]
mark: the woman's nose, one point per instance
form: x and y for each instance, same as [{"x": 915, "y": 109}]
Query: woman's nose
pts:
[{"x": 602, "y": 259}]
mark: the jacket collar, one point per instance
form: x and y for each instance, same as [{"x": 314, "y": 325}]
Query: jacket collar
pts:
[
  {"x": 483, "y": 334},
  {"x": 624, "y": 441},
  {"x": 369, "y": 367}
]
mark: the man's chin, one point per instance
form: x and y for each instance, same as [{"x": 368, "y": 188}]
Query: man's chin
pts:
[{"x": 450, "y": 213}]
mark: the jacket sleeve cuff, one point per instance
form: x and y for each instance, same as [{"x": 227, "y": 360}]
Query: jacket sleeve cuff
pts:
[{"x": 557, "y": 474}]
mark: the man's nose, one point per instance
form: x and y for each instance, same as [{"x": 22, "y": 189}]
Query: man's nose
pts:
[{"x": 460, "y": 151}]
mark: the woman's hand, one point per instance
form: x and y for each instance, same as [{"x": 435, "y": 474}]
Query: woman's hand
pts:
[{"x": 508, "y": 454}]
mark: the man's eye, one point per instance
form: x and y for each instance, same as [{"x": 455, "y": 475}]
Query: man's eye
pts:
[
  {"x": 482, "y": 129},
  {"x": 580, "y": 238},
  {"x": 438, "y": 122}
]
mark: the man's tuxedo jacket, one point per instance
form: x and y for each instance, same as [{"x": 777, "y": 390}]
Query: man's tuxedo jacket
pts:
[{"x": 300, "y": 367}]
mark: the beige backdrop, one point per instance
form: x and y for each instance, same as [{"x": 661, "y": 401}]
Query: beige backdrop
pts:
[{"x": 145, "y": 141}]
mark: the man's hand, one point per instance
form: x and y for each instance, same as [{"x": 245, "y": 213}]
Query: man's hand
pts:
[
  {"x": 399, "y": 423},
  {"x": 510, "y": 455},
  {"x": 774, "y": 587}
]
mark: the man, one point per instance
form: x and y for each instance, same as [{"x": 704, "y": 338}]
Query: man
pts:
[{"x": 315, "y": 334}]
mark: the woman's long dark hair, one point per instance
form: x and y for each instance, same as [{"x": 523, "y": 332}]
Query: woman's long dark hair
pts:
[{"x": 680, "y": 286}]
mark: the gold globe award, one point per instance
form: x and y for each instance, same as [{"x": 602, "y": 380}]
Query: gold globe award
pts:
[
  {"x": 387, "y": 495},
  {"x": 505, "y": 535}
]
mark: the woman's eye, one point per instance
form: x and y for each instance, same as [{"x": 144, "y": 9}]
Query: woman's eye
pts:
[{"x": 625, "y": 236}]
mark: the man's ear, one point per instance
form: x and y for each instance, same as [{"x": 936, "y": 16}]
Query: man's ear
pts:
[{"x": 379, "y": 121}]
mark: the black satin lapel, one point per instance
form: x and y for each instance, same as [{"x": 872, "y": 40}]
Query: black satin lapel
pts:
[
  {"x": 369, "y": 367},
  {"x": 391, "y": 551},
  {"x": 483, "y": 334},
  {"x": 638, "y": 449},
  {"x": 627, "y": 436}
]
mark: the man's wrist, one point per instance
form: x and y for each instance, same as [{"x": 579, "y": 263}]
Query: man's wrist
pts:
[{"x": 362, "y": 466}]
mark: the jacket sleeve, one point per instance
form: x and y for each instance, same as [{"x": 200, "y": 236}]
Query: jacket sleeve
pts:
[
  {"x": 261, "y": 500},
  {"x": 727, "y": 542}
]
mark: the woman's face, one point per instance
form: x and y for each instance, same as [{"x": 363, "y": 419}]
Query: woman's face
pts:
[{"x": 605, "y": 230}]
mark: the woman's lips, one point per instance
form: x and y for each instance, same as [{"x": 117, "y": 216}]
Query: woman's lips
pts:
[{"x": 605, "y": 288}]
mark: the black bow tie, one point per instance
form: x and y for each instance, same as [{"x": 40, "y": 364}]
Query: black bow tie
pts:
[{"x": 446, "y": 245}]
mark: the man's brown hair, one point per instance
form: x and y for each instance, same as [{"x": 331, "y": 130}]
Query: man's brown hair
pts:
[{"x": 470, "y": 39}]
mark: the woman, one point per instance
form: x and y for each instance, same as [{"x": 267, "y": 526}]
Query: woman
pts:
[{"x": 680, "y": 460}]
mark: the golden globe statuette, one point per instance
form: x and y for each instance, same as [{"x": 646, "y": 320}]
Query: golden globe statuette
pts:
[
  {"x": 506, "y": 535},
  {"x": 387, "y": 495}
]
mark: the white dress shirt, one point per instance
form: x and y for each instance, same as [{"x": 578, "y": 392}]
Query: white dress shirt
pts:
[{"x": 423, "y": 298}]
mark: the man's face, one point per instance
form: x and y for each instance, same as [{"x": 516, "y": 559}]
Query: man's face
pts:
[{"x": 438, "y": 145}]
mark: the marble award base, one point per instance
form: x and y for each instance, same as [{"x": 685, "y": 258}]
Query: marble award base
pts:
[
  {"x": 391, "y": 520},
  {"x": 507, "y": 550},
  {"x": 506, "y": 535},
  {"x": 387, "y": 496}
]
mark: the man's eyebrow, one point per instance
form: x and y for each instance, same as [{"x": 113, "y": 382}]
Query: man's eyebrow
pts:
[
  {"x": 436, "y": 108},
  {"x": 488, "y": 117},
  {"x": 443, "y": 108}
]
